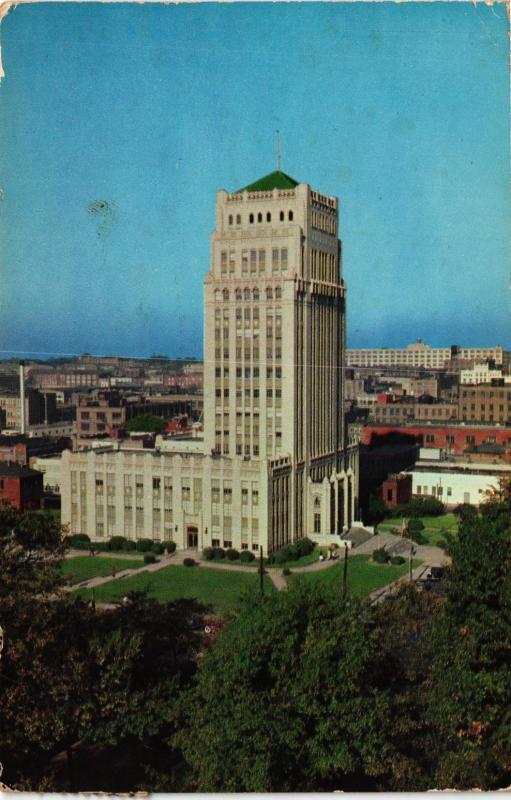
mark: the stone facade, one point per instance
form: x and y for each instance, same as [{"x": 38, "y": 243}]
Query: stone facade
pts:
[{"x": 275, "y": 465}]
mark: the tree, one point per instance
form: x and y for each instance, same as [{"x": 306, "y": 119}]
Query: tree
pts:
[
  {"x": 377, "y": 510},
  {"x": 470, "y": 694},
  {"x": 287, "y": 699},
  {"x": 145, "y": 423}
]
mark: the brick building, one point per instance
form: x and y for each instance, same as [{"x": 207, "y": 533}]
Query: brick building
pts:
[
  {"x": 20, "y": 486},
  {"x": 485, "y": 402},
  {"x": 455, "y": 439}
]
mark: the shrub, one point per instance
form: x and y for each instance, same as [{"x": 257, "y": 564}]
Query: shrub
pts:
[
  {"x": 465, "y": 511},
  {"x": 150, "y": 559},
  {"x": 143, "y": 545},
  {"x": 397, "y": 560},
  {"x": 304, "y": 547},
  {"x": 79, "y": 537},
  {"x": 376, "y": 510},
  {"x": 117, "y": 543},
  {"x": 415, "y": 525},
  {"x": 189, "y": 562},
  {"x": 208, "y": 553},
  {"x": 424, "y": 507},
  {"x": 417, "y": 536},
  {"x": 381, "y": 556},
  {"x": 219, "y": 552},
  {"x": 246, "y": 556},
  {"x": 232, "y": 554},
  {"x": 286, "y": 571},
  {"x": 170, "y": 546},
  {"x": 157, "y": 548},
  {"x": 129, "y": 545}
]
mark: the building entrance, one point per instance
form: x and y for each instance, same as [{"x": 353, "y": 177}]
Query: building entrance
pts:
[{"x": 192, "y": 535}]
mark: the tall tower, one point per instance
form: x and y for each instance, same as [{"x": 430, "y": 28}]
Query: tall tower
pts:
[{"x": 274, "y": 350}]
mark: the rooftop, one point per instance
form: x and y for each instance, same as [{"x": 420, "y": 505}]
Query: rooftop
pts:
[
  {"x": 275, "y": 180},
  {"x": 10, "y": 470}
]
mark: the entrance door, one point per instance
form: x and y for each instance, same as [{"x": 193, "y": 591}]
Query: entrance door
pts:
[{"x": 193, "y": 538}]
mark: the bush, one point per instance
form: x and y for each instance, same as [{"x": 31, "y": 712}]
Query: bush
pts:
[
  {"x": 219, "y": 552},
  {"x": 208, "y": 553},
  {"x": 117, "y": 543},
  {"x": 79, "y": 537},
  {"x": 143, "y": 545},
  {"x": 150, "y": 559},
  {"x": 170, "y": 546},
  {"x": 286, "y": 571},
  {"x": 381, "y": 556},
  {"x": 376, "y": 510},
  {"x": 129, "y": 545},
  {"x": 415, "y": 525},
  {"x": 232, "y": 554},
  {"x": 189, "y": 562},
  {"x": 395, "y": 560},
  {"x": 157, "y": 548},
  {"x": 417, "y": 536},
  {"x": 246, "y": 556},
  {"x": 424, "y": 507},
  {"x": 465, "y": 511},
  {"x": 305, "y": 547}
]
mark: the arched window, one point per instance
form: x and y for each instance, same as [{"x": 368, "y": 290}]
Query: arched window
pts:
[
  {"x": 278, "y": 293},
  {"x": 282, "y": 216},
  {"x": 251, "y": 218},
  {"x": 238, "y": 295},
  {"x": 238, "y": 219},
  {"x": 269, "y": 293},
  {"x": 268, "y": 216},
  {"x": 290, "y": 216},
  {"x": 230, "y": 219},
  {"x": 255, "y": 294},
  {"x": 225, "y": 294},
  {"x": 246, "y": 293},
  {"x": 317, "y": 502},
  {"x": 259, "y": 217}
]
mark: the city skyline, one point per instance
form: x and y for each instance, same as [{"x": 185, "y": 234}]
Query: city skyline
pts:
[{"x": 110, "y": 164}]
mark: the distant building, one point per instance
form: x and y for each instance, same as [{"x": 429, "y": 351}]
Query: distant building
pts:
[
  {"x": 397, "y": 489},
  {"x": 455, "y": 439},
  {"x": 419, "y": 355},
  {"x": 20, "y": 486},
  {"x": 456, "y": 482},
  {"x": 481, "y": 373},
  {"x": 40, "y": 407},
  {"x": 485, "y": 403}
]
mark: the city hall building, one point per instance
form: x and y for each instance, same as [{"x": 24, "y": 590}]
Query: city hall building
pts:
[{"x": 274, "y": 464}]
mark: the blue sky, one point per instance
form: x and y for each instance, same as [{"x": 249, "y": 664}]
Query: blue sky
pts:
[{"x": 120, "y": 121}]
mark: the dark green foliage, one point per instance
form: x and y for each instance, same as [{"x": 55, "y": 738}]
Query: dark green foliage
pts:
[
  {"x": 397, "y": 560},
  {"x": 377, "y": 511},
  {"x": 117, "y": 543},
  {"x": 465, "y": 511},
  {"x": 415, "y": 528},
  {"x": 286, "y": 571},
  {"x": 170, "y": 546},
  {"x": 246, "y": 556},
  {"x": 157, "y": 548},
  {"x": 145, "y": 423},
  {"x": 208, "y": 553},
  {"x": 415, "y": 525},
  {"x": 149, "y": 558},
  {"x": 129, "y": 545},
  {"x": 232, "y": 554},
  {"x": 424, "y": 507},
  {"x": 292, "y": 683},
  {"x": 189, "y": 562},
  {"x": 304, "y": 547},
  {"x": 143, "y": 545},
  {"x": 78, "y": 537},
  {"x": 381, "y": 556},
  {"x": 219, "y": 552}
]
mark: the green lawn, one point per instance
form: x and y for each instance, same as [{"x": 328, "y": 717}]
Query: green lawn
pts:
[
  {"x": 84, "y": 567},
  {"x": 219, "y": 588},
  {"x": 363, "y": 575},
  {"x": 434, "y": 527}
]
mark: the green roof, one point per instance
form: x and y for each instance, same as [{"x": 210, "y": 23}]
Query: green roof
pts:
[{"x": 275, "y": 180}]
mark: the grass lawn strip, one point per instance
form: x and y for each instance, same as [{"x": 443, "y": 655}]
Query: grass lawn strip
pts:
[
  {"x": 364, "y": 576},
  {"x": 300, "y": 562},
  {"x": 82, "y": 568},
  {"x": 219, "y": 588},
  {"x": 434, "y": 527}
]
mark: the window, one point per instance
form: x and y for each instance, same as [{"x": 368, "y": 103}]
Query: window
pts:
[
  {"x": 268, "y": 217},
  {"x": 290, "y": 216},
  {"x": 238, "y": 219},
  {"x": 156, "y": 484},
  {"x": 275, "y": 258},
  {"x": 281, "y": 215},
  {"x": 259, "y": 217},
  {"x": 283, "y": 258},
  {"x": 215, "y": 542},
  {"x": 251, "y": 219},
  {"x": 317, "y": 523},
  {"x": 227, "y": 543},
  {"x": 255, "y": 547}
]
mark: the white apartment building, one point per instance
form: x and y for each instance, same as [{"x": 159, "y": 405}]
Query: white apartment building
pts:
[
  {"x": 274, "y": 464},
  {"x": 481, "y": 373},
  {"x": 419, "y": 354}
]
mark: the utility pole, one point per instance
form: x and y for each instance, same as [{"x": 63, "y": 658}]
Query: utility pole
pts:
[
  {"x": 345, "y": 574},
  {"x": 411, "y": 554},
  {"x": 261, "y": 570},
  {"x": 94, "y": 599}
]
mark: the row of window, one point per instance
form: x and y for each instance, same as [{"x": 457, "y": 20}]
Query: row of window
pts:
[
  {"x": 254, "y": 261},
  {"x": 260, "y": 216},
  {"x": 482, "y": 393},
  {"x": 248, "y": 372},
  {"x": 248, "y": 295}
]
